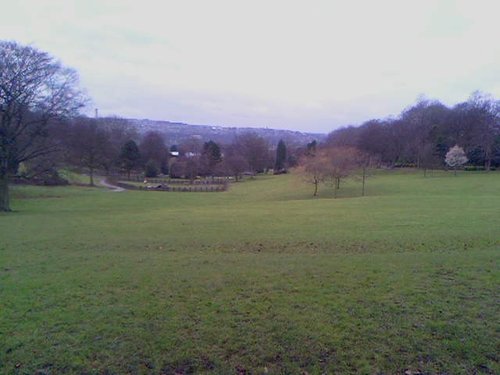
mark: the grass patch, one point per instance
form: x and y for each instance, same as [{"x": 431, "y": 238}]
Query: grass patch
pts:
[
  {"x": 74, "y": 178},
  {"x": 260, "y": 278}
]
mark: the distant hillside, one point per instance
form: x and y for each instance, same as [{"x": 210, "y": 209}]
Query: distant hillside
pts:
[{"x": 176, "y": 132}]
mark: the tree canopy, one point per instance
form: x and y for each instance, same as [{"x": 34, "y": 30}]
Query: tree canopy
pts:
[
  {"x": 130, "y": 156},
  {"x": 456, "y": 157},
  {"x": 35, "y": 89},
  {"x": 422, "y": 134}
]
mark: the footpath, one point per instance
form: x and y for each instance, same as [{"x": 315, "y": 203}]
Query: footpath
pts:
[{"x": 113, "y": 188}]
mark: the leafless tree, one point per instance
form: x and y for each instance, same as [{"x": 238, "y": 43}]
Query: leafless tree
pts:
[
  {"x": 484, "y": 115},
  {"x": 331, "y": 164},
  {"x": 233, "y": 163},
  {"x": 153, "y": 147},
  {"x": 419, "y": 122},
  {"x": 185, "y": 167},
  {"x": 343, "y": 161},
  {"x": 120, "y": 132},
  {"x": 192, "y": 146},
  {"x": 315, "y": 169},
  {"x": 88, "y": 145},
  {"x": 255, "y": 150},
  {"x": 34, "y": 90}
]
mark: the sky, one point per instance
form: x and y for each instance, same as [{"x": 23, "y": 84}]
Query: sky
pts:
[{"x": 306, "y": 65}]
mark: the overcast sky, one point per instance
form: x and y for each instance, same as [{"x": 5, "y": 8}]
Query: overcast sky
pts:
[{"x": 306, "y": 65}]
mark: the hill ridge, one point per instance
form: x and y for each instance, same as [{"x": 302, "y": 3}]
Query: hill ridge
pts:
[{"x": 178, "y": 132}]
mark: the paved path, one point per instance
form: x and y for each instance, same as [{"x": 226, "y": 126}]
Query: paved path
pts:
[{"x": 113, "y": 188}]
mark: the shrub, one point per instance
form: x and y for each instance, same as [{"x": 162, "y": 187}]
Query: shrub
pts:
[
  {"x": 151, "y": 169},
  {"x": 470, "y": 168}
]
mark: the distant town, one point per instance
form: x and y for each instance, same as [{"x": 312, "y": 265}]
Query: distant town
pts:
[{"x": 177, "y": 132}]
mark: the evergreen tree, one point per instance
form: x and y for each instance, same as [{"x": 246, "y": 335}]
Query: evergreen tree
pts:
[
  {"x": 212, "y": 150},
  {"x": 130, "y": 157},
  {"x": 151, "y": 169},
  {"x": 281, "y": 157},
  {"x": 211, "y": 156},
  {"x": 311, "y": 148}
]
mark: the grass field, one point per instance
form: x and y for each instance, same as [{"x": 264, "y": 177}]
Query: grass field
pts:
[{"x": 260, "y": 279}]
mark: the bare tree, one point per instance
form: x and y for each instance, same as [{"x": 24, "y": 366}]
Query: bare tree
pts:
[
  {"x": 185, "y": 167},
  {"x": 153, "y": 147},
  {"x": 365, "y": 162},
  {"x": 381, "y": 139},
  {"x": 34, "y": 90},
  {"x": 343, "y": 161},
  {"x": 88, "y": 145},
  {"x": 484, "y": 112},
  {"x": 346, "y": 136},
  {"x": 192, "y": 146},
  {"x": 233, "y": 163},
  {"x": 333, "y": 164},
  {"x": 315, "y": 169},
  {"x": 120, "y": 132},
  {"x": 419, "y": 122},
  {"x": 255, "y": 150}
]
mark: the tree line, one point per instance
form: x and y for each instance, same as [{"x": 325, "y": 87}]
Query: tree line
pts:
[
  {"x": 424, "y": 132},
  {"x": 426, "y": 135},
  {"x": 42, "y": 130},
  {"x": 112, "y": 145}
]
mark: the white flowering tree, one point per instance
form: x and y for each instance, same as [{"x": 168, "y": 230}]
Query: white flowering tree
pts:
[{"x": 455, "y": 158}]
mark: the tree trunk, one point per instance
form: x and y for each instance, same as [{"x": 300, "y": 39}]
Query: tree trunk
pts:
[
  {"x": 91, "y": 173},
  {"x": 487, "y": 164},
  {"x": 4, "y": 194},
  {"x": 315, "y": 188},
  {"x": 487, "y": 158},
  {"x": 364, "y": 178}
]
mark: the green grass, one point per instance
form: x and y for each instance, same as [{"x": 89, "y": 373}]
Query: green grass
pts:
[
  {"x": 73, "y": 177},
  {"x": 262, "y": 278}
]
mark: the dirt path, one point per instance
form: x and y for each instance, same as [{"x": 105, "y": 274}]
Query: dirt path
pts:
[{"x": 113, "y": 188}]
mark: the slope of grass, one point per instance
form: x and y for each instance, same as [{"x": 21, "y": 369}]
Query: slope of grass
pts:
[{"x": 262, "y": 278}]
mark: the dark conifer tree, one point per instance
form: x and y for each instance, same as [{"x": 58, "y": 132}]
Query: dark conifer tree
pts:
[
  {"x": 281, "y": 157},
  {"x": 130, "y": 157},
  {"x": 211, "y": 156}
]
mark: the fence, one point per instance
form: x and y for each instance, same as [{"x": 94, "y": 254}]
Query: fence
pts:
[
  {"x": 191, "y": 188},
  {"x": 174, "y": 181},
  {"x": 179, "y": 188}
]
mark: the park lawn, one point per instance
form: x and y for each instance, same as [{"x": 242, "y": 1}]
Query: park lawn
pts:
[{"x": 262, "y": 278}]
